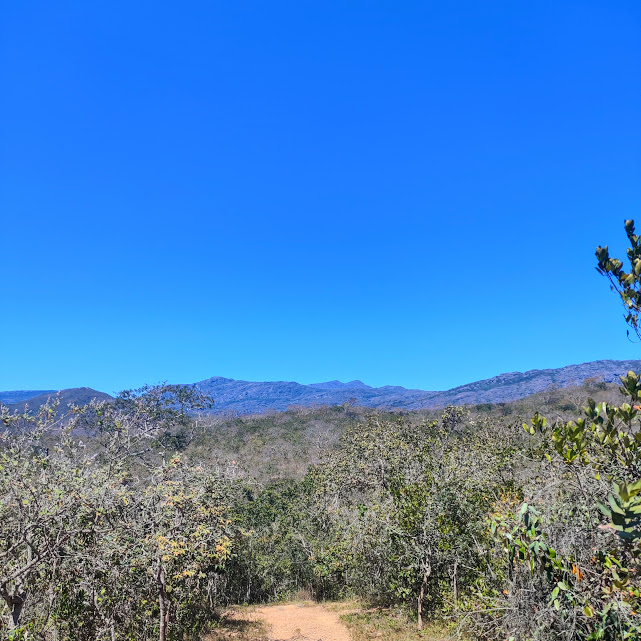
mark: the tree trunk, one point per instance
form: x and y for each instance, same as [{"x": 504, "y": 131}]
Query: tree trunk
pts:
[
  {"x": 53, "y": 632},
  {"x": 455, "y": 581},
  {"x": 419, "y": 609},
  {"x": 162, "y": 602},
  {"x": 162, "y": 635},
  {"x": 16, "y": 612},
  {"x": 16, "y": 605},
  {"x": 421, "y": 594}
]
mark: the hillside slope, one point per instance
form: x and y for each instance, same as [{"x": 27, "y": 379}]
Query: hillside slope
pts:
[
  {"x": 517, "y": 385},
  {"x": 251, "y": 397},
  {"x": 75, "y": 395},
  {"x": 19, "y": 396},
  {"x": 247, "y": 397}
]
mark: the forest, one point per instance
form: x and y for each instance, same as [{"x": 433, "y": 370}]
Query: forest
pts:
[{"x": 144, "y": 517}]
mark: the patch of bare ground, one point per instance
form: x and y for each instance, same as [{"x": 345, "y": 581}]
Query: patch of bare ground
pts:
[
  {"x": 298, "y": 621},
  {"x": 308, "y": 621}
]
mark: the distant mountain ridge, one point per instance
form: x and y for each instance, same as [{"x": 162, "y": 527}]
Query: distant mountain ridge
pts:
[
  {"x": 34, "y": 399},
  {"x": 18, "y": 396},
  {"x": 250, "y": 397},
  {"x": 339, "y": 385}
]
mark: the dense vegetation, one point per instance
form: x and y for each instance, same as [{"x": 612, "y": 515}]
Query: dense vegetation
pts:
[{"x": 135, "y": 519}]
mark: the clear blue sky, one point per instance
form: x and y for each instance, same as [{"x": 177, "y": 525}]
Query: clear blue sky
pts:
[{"x": 406, "y": 193}]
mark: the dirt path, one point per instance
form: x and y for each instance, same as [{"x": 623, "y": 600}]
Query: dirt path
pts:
[
  {"x": 302, "y": 622},
  {"x": 294, "y": 622}
]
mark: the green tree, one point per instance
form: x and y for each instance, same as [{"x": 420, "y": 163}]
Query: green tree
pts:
[
  {"x": 105, "y": 536},
  {"x": 626, "y": 284},
  {"x": 592, "y": 586}
]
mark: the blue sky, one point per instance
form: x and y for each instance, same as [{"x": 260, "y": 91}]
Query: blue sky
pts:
[{"x": 406, "y": 193}]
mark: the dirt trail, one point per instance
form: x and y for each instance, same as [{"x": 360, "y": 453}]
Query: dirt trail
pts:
[{"x": 301, "y": 622}]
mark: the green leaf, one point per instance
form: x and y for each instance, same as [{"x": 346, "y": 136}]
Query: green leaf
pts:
[{"x": 614, "y": 506}]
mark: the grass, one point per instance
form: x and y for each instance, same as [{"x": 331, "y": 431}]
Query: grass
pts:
[{"x": 390, "y": 625}]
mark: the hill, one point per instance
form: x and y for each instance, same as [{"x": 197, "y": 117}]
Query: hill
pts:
[
  {"x": 252, "y": 397},
  {"x": 75, "y": 395},
  {"x": 248, "y": 397},
  {"x": 282, "y": 444},
  {"x": 19, "y": 396}
]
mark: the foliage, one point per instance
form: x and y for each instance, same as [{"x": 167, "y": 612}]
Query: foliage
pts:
[
  {"x": 112, "y": 540},
  {"x": 599, "y": 598},
  {"x": 581, "y": 543},
  {"x": 402, "y": 509},
  {"x": 135, "y": 519},
  {"x": 626, "y": 284}
]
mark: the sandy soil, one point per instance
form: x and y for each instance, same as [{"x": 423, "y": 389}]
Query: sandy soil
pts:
[
  {"x": 298, "y": 622},
  {"x": 302, "y": 622}
]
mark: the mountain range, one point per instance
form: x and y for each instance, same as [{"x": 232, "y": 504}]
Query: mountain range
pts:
[
  {"x": 33, "y": 399},
  {"x": 245, "y": 397},
  {"x": 248, "y": 397}
]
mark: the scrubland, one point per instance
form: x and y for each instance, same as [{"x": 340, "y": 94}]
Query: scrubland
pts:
[{"x": 146, "y": 517}]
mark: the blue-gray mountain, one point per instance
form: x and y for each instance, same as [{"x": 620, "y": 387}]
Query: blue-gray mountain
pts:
[
  {"x": 19, "y": 396},
  {"x": 246, "y": 397},
  {"x": 32, "y": 400}
]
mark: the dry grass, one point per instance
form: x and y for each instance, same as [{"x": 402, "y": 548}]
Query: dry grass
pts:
[{"x": 390, "y": 625}]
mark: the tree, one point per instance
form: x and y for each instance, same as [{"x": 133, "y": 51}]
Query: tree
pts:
[
  {"x": 401, "y": 509},
  {"x": 626, "y": 284},
  {"x": 104, "y": 536},
  {"x": 591, "y": 583}
]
